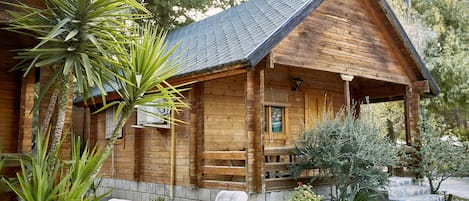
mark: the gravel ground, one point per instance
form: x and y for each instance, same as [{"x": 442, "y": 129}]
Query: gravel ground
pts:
[{"x": 456, "y": 186}]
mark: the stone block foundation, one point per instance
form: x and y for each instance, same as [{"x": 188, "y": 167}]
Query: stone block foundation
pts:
[{"x": 144, "y": 191}]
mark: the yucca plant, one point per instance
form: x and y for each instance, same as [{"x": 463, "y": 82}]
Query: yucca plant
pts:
[
  {"x": 44, "y": 178},
  {"x": 147, "y": 63},
  {"x": 76, "y": 40}
]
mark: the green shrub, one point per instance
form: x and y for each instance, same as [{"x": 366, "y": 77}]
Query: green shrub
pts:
[
  {"x": 304, "y": 193},
  {"x": 348, "y": 151},
  {"x": 441, "y": 155}
]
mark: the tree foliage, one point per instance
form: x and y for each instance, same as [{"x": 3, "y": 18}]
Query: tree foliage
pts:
[
  {"x": 176, "y": 13},
  {"x": 446, "y": 54},
  {"x": 349, "y": 151},
  {"x": 145, "y": 66}
]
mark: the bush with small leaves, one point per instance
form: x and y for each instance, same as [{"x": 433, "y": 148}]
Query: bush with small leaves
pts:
[
  {"x": 304, "y": 192},
  {"x": 348, "y": 151}
]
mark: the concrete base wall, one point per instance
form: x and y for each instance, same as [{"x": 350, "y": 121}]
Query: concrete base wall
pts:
[{"x": 143, "y": 191}]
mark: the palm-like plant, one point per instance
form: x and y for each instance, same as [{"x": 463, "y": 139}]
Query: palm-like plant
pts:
[
  {"x": 43, "y": 178},
  {"x": 147, "y": 63},
  {"x": 76, "y": 39}
]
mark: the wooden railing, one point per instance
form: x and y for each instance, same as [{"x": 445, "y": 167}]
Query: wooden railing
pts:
[
  {"x": 277, "y": 176},
  {"x": 224, "y": 170},
  {"x": 227, "y": 169}
]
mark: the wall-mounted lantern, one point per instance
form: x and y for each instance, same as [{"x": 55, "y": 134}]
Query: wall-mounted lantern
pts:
[{"x": 296, "y": 83}]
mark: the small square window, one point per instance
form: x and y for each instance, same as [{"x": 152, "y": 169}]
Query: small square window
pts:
[{"x": 274, "y": 119}]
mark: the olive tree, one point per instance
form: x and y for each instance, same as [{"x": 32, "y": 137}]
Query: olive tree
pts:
[{"x": 347, "y": 150}]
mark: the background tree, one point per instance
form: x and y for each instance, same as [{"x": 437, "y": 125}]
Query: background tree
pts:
[
  {"x": 176, "y": 13},
  {"x": 446, "y": 54},
  {"x": 441, "y": 155},
  {"x": 448, "y": 57}
]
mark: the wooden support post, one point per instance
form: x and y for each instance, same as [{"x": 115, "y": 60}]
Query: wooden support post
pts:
[
  {"x": 411, "y": 109},
  {"x": 172, "y": 174},
  {"x": 347, "y": 78},
  {"x": 197, "y": 132},
  {"x": 254, "y": 120},
  {"x": 407, "y": 113}
]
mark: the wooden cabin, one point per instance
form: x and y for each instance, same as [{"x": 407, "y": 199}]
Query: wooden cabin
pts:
[{"x": 261, "y": 72}]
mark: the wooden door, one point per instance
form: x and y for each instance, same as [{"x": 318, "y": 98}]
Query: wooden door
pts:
[{"x": 317, "y": 107}]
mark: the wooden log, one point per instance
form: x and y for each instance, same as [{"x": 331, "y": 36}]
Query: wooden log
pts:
[
  {"x": 224, "y": 155},
  {"x": 224, "y": 170},
  {"x": 278, "y": 166},
  {"x": 230, "y": 185}
]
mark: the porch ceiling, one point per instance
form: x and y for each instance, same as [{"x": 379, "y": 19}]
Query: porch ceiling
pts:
[{"x": 376, "y": 90}]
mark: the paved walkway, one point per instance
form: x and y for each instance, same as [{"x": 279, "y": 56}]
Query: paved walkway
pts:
[{"x": 456, "y": 186}]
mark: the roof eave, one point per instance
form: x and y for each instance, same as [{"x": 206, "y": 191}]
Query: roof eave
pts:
[
  {"x": 217, "y": 68},
  {"x": 434, "y": 89}
]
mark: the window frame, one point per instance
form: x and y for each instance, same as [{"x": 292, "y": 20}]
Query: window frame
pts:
[
  {"x": 111, "y": 124},
  {"x": 275, "y": 136}
]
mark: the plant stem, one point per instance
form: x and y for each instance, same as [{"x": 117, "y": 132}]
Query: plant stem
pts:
[
  {"x": 66, "y": 82},
  {"x": 50, "y": 109},
  {"x": 126, "y": 113}
]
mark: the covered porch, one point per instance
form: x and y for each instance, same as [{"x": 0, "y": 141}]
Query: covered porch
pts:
[{"x": 251, "y": 120}]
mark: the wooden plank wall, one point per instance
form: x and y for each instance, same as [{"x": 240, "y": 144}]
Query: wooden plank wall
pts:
[
  {"x": 143, "y": 154},
  {"x": 315, "y": 82},
  {"x": 16, "y": 96},
  {"x": 124, "y": 151},
  {"x": 224, "y": 114},
  {"x": 10, "y": 91},
  {"x": 342, "y": 37}
]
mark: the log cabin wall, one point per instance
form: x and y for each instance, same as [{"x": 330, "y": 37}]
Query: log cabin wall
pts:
[
  {"x": 10, "y": 93},
  {"x": 143, "y": 154},
  {"x": 344, "y": 37},
  {"x": 224, "y": 114},
  {"x": 124, "y": 150},
  {"x": 16, "y": 97}
]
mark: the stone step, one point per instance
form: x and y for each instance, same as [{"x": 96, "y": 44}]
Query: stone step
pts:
[
  {"x": 400, "y": 181},
  {"x": 399, "y": 192},
  {"x": 429, "y": 197}
]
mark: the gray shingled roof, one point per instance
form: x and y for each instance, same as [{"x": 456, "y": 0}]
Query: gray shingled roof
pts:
[
  {"x": 243, "y": 34},
  {"x": 246, "y": 33}
]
